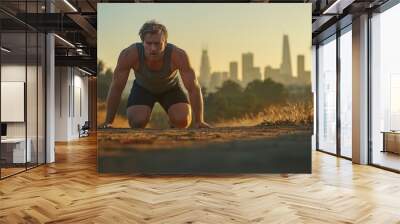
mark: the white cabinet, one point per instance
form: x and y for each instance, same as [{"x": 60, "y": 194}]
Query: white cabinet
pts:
[{"x": 16, "y": 146}]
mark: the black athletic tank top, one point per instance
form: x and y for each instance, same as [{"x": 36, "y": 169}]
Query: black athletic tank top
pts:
[{"x": 156, "y": 81}]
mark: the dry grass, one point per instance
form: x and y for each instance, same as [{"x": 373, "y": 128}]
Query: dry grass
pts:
[
  {"x": 288, "y": 114},
  {"x": 119, "y": 121},
  {"x": 158, "y": 117}
]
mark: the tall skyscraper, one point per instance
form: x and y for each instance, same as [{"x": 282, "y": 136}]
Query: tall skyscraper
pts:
[
  {"x": 225, "y": 76},
  {"x": 300, "y": 65},
  {"x": 284, "y": 74},
  {"x": 205, "y": 69},
  {"x": 272, "y": 73},
  {"x": 286, "y": 66},
  {"x": 307, "y": 77},
  {"x": 233, "y": 71},
  {"x": 215, "y": 81},
  {"x": 255, "y": 74},
  {"x": 247, "y": 67},
  {"x": 303, "y": 76}
]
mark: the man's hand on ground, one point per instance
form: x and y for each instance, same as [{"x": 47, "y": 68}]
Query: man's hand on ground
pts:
[
  {"x": 202, "y": 124},
  {"x": 106, "y": 125}
]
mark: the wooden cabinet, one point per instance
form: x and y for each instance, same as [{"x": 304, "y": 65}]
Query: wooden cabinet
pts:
[{"x": 391, "y": 142}]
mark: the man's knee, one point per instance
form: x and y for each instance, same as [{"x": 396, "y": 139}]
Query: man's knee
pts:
[
  {"x": 138, "y": 116},
  {"x": 180, "y": 121},
  {"x": 180, "y": 115},
  {"x": 138, "y": 122}
]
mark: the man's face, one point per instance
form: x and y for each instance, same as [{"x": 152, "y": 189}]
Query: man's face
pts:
[{"x": 154, "y": 45}]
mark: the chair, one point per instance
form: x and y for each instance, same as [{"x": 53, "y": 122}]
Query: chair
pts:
[{"x": 84, "y": 130}]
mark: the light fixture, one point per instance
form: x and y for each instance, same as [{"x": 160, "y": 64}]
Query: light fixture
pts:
[
  {"x": 5, "y": 50},
  {"x": 70, "y": 5},
  {"x": 86, "y": 72},
  {"x": 337, "y": 7},
  {"x": 65, "y": 41},
  {"x": 79, "y": 51}
]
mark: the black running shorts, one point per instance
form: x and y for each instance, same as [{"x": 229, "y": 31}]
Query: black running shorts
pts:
[{"x": 141, "y": 96}]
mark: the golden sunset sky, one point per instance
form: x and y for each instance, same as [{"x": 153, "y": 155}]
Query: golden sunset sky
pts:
[{"x": 226, "y": 29}]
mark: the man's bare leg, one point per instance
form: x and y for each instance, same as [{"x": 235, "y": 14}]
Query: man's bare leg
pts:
[
  {"x": 180, "y": 115},
  {"x": 138, "y": 116}
]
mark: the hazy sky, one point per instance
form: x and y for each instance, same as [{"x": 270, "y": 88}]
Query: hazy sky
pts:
[{"x": 227, "y": 30}]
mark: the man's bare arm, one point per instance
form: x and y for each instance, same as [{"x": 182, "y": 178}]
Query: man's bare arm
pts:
[
  {"x": 191, "y": 84},
  {"x": 120, "y": 76}
]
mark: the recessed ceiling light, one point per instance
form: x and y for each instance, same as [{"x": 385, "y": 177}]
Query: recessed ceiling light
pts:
[
  {"x": 337, "y": 7},
  {"x": 64, "y": 40},
  {"x": 5, "y": 50},
  {"x": 86, "y": 72},
  {"x": 71, "y": 6}
]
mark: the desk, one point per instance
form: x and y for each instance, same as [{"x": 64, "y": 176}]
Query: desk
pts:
[
  {"x": 13, "y": 150},
  {"x": 391, "y": 141}
]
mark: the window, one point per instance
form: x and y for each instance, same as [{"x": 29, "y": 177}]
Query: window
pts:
[
  {"x": 327, "y": 95},
  {"x": 385, "y": 88},
  {"x": 22, "y": 65}
]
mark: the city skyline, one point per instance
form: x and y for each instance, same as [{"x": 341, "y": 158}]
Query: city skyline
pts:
[
  {"x": 226, "y": 33},
  {"x": 249, "y": 72}
]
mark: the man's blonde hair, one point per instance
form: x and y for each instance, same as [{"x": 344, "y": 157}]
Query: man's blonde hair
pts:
[{"x": 153, "y": 27}]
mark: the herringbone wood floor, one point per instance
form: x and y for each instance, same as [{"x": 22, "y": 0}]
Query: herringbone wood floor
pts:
[{"x": 71, "y": 191}]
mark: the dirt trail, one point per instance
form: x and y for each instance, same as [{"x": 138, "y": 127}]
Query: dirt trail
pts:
[
  {"x": 147, "y": 139},
  {"x": 257, "y": 149}
]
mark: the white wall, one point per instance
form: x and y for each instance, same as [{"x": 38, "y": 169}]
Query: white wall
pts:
[
  {"x": 14, "y": 73},
  {"x": 61, "y": 103},
  {"x": 71, "y": 94}
]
